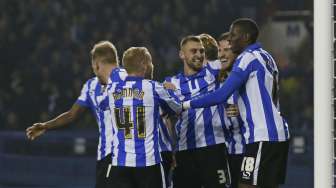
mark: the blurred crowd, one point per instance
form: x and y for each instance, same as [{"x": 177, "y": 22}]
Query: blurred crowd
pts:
[{"x": 45, "y": 49}]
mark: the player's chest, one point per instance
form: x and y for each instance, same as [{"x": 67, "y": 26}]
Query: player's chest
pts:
[{"x": 193, "y": 87}]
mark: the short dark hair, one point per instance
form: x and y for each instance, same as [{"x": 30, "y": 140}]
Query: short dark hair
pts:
[
  {"x": 247, "y": 26},
  {"x": 224, "y": 36},
  {"x": 189, "y": 38},
  {"x": 210, "y": 46}
]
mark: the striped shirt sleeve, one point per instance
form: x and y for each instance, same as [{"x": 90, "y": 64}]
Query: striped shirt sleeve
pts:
[
  {"x": 83, "y": 99},
  {"x": 168, "y": 102},
  {"x": 244, "y": 65},
  {"x": 214, "y": 67}
]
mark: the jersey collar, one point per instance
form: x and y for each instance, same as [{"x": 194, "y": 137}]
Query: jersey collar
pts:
[
  {"x": 252, "y": 47},
  {"x": 134, "y": 78}
]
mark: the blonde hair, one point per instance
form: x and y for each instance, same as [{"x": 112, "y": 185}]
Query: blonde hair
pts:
[
  {"x": 210, "y": 46},
  {"x": 105, "y": 52},
  {"x": 136, "y": 58}
]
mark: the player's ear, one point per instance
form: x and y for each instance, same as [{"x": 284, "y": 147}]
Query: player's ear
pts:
[
  {"x": 181, "y": 54},
  {"x": 97, "y": 65},
  {"x": 246, "y": 37}
]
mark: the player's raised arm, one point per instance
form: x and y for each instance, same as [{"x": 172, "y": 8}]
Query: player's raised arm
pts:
[{"x": 37, "y": 129}]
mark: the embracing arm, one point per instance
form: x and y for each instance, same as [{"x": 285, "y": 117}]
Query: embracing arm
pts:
[{"x": 233, "y": 82}]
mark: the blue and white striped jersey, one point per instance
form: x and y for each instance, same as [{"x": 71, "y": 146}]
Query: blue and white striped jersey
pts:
[
  {"x": 134, "y": 106},
  {"x": 235, "y": 140},
  {"x": 255, "y": 76},
  {"x": 201, "y": 127},
  {"x": 165, "y": 139},
  {"x": 258, "y": 100},
  {"x": 91, "y": 96}
]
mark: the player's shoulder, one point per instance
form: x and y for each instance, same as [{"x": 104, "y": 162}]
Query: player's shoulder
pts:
[
  {"x": 120, "y": 70},
  {"x": 152, "y": 82},
  {"x": 245, "y": 58},
  {"x": 118, "y": 74},
  {"x": 90, "y": 81},
  {"x": 174, "y": 78},
  {"x": 214, "y": 64}
]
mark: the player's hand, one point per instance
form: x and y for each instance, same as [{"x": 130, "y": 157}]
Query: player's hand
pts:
[
  {"x": 36, "y": 130},
  {"x": 168, "y": 85},
  {"x": 232, "y": 110}
]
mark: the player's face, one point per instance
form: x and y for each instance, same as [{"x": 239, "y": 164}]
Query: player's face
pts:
[
  {"x": 236, "y": 39},
  {"x": 224, "y": 50},
  {"x": 192, "y": 54},
  {"x": 225, "y": 54}
]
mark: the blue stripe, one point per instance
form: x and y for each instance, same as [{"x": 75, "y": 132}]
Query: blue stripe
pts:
[
  {"x": 164, "y": 136},
  {"x": 178, "y": 133},
  {"x": 156, "y": 115},
  {"x": 268, "y": 62},
  {"x": 115, "y": 75},
  {"x": 190, "y": 135},
  {"x": 267, "y": 105},
  {"x": 207, "y": 115},
  {"x": 230, "y": 139},
  {"x": 88, "y": 98},
  {"x": 139, "y": 143},
  {"x": 101, "y": 120},
  {"x": 191, "y": 141},
  {"x": 248, "y": 114},
  {"x": 82, "y": 103},
  {"x": 240, "y": 122},
  {"x": 121, "y": 157}
]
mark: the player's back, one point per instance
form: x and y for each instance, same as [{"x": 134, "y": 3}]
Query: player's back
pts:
[{"x": 134, "y": 106}]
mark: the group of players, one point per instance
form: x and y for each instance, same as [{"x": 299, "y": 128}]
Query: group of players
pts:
[{"x": 229, "y": 131}]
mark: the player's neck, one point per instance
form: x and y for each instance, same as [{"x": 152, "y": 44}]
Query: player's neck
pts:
[
  {"x": 188, "y": 71},
  {"x": 136, "y": 74},
  {"x": 106, "y": 74}
]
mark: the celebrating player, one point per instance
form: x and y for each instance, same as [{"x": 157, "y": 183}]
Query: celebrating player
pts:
[{"x": 255, "y": 76}]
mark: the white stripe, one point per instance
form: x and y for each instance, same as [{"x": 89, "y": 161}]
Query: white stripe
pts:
[
  {"x": 243, "y": 115},
  {"x": 228, "y": 171},
  {"x": 199, "y": 129},
  {"x": 257, "y": 164},
  {"x": 245, "y": 60},
  {"x": 237, "y": 136},
  {"x": 216, "y": 64},
  {"x": 163, "y": 176},
  {"x": 217, "y": 125},
  {"x": 257, "y": 109},
  {"x": 108, "y": 170},
  {"x": 108, "y": 132}
]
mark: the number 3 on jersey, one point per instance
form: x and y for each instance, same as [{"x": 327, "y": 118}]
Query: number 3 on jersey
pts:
[{"x": 125, "y": 122}]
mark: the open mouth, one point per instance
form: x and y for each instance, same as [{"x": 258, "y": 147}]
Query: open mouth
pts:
[{"x": 223, "y": 60}]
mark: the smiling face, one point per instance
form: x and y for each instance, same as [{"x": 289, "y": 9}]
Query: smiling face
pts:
[{"x": 192, "y": 54}]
